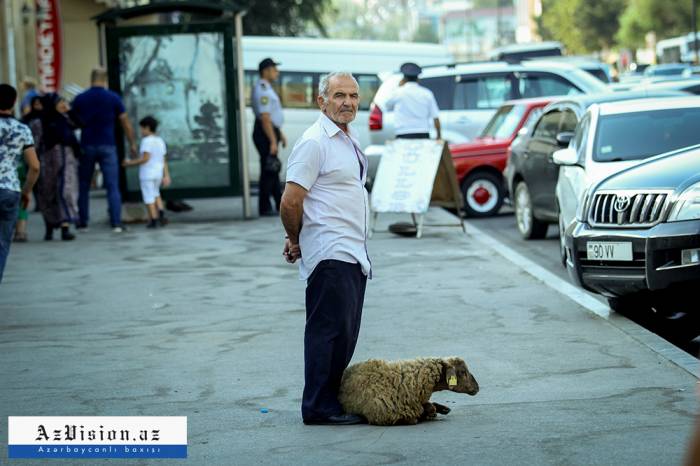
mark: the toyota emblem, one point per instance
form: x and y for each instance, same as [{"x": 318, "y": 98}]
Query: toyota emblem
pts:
[{"x": 622, "y": 203}]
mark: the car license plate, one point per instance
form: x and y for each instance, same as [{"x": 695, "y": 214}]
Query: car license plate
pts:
[{"x": 609, "y": 251}]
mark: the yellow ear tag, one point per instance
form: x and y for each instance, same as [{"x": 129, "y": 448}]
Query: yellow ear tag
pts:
[{"x": 452, "y": 382}]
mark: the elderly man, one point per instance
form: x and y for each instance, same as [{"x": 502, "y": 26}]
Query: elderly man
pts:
[{"x": 325, "y": 213}]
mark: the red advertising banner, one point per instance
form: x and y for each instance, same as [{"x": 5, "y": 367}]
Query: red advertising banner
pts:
[{"x": 49, "y": 45}]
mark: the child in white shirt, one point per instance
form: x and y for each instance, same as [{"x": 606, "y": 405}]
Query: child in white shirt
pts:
[{"x": 153, "y": 170}]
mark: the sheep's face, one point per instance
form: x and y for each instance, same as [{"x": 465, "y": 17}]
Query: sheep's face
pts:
[{"x": 458, "y": 378}]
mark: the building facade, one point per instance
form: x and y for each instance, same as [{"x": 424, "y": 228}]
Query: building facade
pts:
[{"x": 56, "y": 42}]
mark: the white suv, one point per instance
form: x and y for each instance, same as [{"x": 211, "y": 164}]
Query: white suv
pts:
[{"x": 468, "y": 95}]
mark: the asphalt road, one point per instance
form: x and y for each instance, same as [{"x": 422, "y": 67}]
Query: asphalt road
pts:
[{"x": 545, "y": 253}]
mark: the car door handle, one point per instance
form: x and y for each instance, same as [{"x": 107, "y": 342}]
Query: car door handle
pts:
[{"x": 463, "y": 120}]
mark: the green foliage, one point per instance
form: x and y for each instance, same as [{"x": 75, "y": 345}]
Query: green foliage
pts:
[
  {"x": 665, "y": 19},
  {"x": 374, "y": 20},
  {"x": 599, "y": 22},
  {"x": 426, "y": 33},
  {"x": 492, "y": 3},
  {"x": 583, "y": 26},
  {"x": 283, "y": 17},
  {"x": 559, "y": 19}
]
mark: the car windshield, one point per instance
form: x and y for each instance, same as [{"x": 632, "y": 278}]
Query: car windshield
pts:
[
  {"x": 504, "y": 123},
  {"x": 638, "y": 135}
]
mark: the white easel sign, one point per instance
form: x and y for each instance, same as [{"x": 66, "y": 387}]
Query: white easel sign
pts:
[
  {"x": 405, "y": 176},
  {"x": 414, "y": 174}
]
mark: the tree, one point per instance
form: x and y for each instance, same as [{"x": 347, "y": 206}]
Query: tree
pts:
[
  {"x": 583, "y": 26},
  {"x": 658, "y": 16},
  {"x": 600, "y": 21},
  {"x": 283, "y": 17},
  {"x": 426, "y": 33},
  {"x": 560, "y": 20}
]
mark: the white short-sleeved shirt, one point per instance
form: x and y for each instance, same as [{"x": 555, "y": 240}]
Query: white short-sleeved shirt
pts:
[
  {"x": 264, "y": 99},
  {"x": 331, "y": 167},
  {"x": 153, "y": 169},
  {"x": 15, "y": 137},
  {"x": 414, "y": 108}
]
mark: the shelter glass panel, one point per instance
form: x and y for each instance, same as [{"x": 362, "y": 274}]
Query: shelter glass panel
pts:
[{"x": 180, "y": 79}]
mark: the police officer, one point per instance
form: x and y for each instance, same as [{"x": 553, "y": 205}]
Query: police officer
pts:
[
  {"x": 267, "y": 135},
  {"x": 414, "y": 106}
]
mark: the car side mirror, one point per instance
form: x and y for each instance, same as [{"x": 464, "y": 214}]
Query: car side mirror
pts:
[
  {"x": 564, "y": 137},
  {"x": 566, "y": 156}
]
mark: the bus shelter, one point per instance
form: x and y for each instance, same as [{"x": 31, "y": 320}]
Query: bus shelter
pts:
[{"x": 181, "y": 64}]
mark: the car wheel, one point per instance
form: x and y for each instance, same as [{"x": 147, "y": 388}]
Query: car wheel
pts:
[
  {"x": 562, "y": 241},
  {"x": 483, "y": 194},
  {"x": 528, "y": 225}
]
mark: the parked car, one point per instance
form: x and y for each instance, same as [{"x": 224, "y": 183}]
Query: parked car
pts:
[
  {"x": 515, "y": 53},
  {"x": 614, "y": 136},
  {"x": 468, "y": 95},
  {"x": 595, "y": 67},
  {"x": 668, "y": 71},
  {"x": 531, "y": 173},
  {"x": 690, "y": 85},
  {"x": 637, "y": 237},
  {"x": 479, "y": 164}
]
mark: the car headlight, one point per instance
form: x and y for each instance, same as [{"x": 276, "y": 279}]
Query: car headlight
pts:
[
  {"x": 582, "y": 206},
  {"x": 687, "y": 206}
]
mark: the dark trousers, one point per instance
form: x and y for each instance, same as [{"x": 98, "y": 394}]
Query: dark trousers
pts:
[
  {"x": 269, "y": 181},
  {"x": 335, "y": 293},
  {"x": 413, "y": 136},
  {"x": 106, "y": 156},
  {"x": 9, "y": 208}
]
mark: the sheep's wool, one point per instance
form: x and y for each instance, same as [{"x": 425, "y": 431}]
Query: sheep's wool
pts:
[{"x": 389, "y": 393}]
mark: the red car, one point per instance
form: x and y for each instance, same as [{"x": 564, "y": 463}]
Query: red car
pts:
[{"x": 480, "y": 163}]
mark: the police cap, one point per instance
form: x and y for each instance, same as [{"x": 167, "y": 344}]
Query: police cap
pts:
[
  {"x": 266, "y": 63},
  {"x": 410, "y": 70}
]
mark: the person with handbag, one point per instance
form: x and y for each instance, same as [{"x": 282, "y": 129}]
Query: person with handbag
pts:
[{"x": 267, "y": 136}]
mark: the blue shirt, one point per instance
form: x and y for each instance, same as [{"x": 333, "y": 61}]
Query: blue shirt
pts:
[
  {"x": 98, "y": 109},
  {"x": 27, "y": 100},
  {"x": 266, "y": 100},
  {"x": 14, "y": 138}
]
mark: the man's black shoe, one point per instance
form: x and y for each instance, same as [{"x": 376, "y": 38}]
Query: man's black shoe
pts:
[{"x": 337, "y": 420}]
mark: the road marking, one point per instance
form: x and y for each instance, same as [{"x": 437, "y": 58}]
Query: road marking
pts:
[
  {"x": 540, "y": 273},
  {"x": 637, "y": 332}
]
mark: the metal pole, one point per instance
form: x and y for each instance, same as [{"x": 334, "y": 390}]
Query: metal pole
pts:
[
  {"x": 694, "y": 19},
  {"x": 10, "y": 44},
  {"x": 242, "y": 127}
]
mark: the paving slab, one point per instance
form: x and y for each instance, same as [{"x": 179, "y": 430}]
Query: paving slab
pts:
[{"x": 204, "y": 319}]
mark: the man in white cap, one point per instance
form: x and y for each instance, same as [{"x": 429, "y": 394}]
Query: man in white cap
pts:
[{"x": 415, "y": 108}]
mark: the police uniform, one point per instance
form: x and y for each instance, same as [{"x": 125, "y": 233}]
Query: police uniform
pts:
[
  {"x": 264, "y": 99},
  {"x": 414, "y": 106}
]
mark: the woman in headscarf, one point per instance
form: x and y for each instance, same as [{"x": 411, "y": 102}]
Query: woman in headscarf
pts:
[{"x": 58, "y": 148}]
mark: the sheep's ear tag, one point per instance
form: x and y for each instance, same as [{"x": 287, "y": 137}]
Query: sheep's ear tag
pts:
[{"x": 452, "y": 382}]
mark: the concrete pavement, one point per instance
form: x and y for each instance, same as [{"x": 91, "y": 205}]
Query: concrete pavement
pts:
[{"x": 204, "y": 319}]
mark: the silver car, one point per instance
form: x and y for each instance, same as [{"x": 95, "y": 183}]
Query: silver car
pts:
[
  {"x": 468, "y": 95},
  {"x": 614, "y": 136}
]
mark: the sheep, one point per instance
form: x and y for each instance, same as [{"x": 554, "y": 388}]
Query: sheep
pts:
[{"x": 398, "y": 392}]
